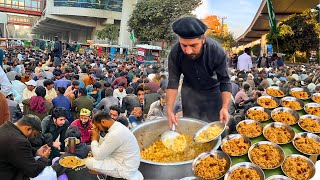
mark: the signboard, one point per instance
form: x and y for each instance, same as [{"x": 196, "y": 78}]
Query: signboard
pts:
[
  {"x": 140, "y": 54},
  {"x": 269, "y": 49}
]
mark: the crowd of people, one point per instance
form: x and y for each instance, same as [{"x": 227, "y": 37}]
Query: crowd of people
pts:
[{"x": 69, "y": 97}]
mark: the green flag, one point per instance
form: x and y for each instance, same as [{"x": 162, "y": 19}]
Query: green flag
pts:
[
  {"x": 272, "y": 16},
  {"x": 132, "y": 38}
]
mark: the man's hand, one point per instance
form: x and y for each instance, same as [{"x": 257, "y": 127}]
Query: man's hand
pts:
[
  {"x": 95, "y": 135},
  {"x": 47, "y": 153},
  {"x": 94, "y": 172},
  {"x": 173, "y": 119},
  {"x": 44, "y": 151},
  {"x": 56, "y": 144},
  {"x": 224, "y": 115}
]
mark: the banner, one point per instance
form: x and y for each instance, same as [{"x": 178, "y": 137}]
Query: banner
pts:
[
  {"x": 272, "y": 16},
  {"x": 140, "y": 54}
]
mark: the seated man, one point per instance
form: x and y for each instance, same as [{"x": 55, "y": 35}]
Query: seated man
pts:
[
  {"x": 57, "y": 125},
  {"x": 136, "y": 116},
  {"x": 84, "y": 125},
  {"x": 118, "y": 155},
  {"x": 17, "y": 155},
  {"x": 157, "y": 109},
  {"x": 82, "y": 151}
]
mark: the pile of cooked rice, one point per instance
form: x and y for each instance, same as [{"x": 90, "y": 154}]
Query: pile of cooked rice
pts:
[
  {"x": 267, "y": 103},
  {"x": 307, "y": 145},
  {"x": 275, "y": 92},
  {"x": 70, "y": 162},
  {"x": 284, "y": 117},
  {"x": 297, "y": 168},
  {"x": 244, "y": 174},
  {"x": 249, "y": 130},
  {"x": 265, "y": 156},
  {"x": 295, "y": 105},
  {"x": 316, "y": 99},
  {"x": 235, "y": 147},
  {"x": 178, "y": 144},
  {"x": 211, "y": 167},
  {"x": 279, "y": 135},
  {"x": 313, "y": 110},
  {"x": 157, "y": 152},
  {"x": 300, "y": 94},
  {"x": 257, "y": 115},
  {"x": 311, "y": 125},
  {"x": 210, "y": 133}
]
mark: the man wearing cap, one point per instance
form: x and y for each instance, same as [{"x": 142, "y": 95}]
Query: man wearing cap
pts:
[
  {"x": 84, "y": 125},
  {"x": 206, "y": 88},
  {"x": 29, "y": 91}
]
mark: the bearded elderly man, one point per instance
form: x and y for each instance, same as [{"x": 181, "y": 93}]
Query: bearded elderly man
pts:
[{"x": 206, "y": 88}]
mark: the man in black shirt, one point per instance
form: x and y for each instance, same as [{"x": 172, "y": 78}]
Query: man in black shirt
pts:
[{"x": 206, "y": 88}]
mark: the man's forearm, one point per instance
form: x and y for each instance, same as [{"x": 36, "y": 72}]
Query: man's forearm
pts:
[
  {"x": 171, "y": 99},
  {"x": 225, "y": 99}
]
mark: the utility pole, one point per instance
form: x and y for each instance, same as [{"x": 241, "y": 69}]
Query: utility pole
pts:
[{"x": 222, "y": 20}]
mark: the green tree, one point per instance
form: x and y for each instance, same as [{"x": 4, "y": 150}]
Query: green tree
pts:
[
  {"x": 297, "y": 33},
  {"x": 110, "y": 32},
  {"x": 227, "y": 41},
  {"x": 151, "y": 19}
]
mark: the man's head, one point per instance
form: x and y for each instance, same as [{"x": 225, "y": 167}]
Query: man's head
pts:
[
  {"x": 246, "y": 87},
  {"x": 191, "y": 32},
  {"x": 41, "y": 91},
  {"x": 140, "y": 94},
  {"x": 56, "y": 38},
  {"x": 256, "y": 94},
  {"x": 31, "y": 85},
  {"x": 91, "y": 74},
  {"x": 110, "y": 73},
  {"x": 27, "y": 73},
  {"x": 247, "y": 51},
  {"x": 103, "y": 121},
  {"x": 129, "y": 90},
  {"x": 192, "y": 48},
  {"x": 48, "y": 84},
  {"x": 163, "y": 101},
  {"x": 85, "y": 115},
  {"x": 121, "y": 86},
  {"x": 29, "y": 125},
  {"x": 114, "y": 112},
  {"x": 82, "y": 92},
  {"x": 59, "y": 116},
  {"x": 75, "y": 84},
  {"x": 96, "y": 86},
  {"x": 61, "y": 90}
]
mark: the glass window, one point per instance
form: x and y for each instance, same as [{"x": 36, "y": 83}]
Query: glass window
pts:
[{"x": 112, "y": 5}]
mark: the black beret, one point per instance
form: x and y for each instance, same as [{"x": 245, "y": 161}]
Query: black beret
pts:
[{"x": 189, "y": 27}]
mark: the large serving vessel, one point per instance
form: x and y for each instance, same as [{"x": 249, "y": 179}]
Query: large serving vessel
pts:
[{"x": 149, "y": 132}]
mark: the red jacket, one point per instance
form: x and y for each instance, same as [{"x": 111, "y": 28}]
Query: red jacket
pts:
[{"x": 85, "y": 132}]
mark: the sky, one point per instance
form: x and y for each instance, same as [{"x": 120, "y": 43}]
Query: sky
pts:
[{"x": 239, "y": 13}]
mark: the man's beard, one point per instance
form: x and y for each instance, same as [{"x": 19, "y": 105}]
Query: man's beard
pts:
[
  {"x": 194, "y": 56},
  {"x": 105, "y": 129}
]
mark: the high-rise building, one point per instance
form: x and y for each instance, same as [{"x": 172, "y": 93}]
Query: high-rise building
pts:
[{"x": 79, "y": 20}]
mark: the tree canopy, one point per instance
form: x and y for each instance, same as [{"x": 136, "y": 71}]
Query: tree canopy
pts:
[
  {"x": 297, "y": 33},
  {"x": 110, "y": 32},
  {"x": 151, "y": 19}
]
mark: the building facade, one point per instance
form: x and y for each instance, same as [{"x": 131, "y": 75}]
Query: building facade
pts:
[{"x": 79, "y": 20}]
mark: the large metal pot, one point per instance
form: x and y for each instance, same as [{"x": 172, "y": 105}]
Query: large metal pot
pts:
[{"x": 149, "y": 132}]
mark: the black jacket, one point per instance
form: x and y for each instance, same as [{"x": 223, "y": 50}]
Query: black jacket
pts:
[
  {"x": 17, "y": 156},
  {"x": 129, "y": 102}
]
